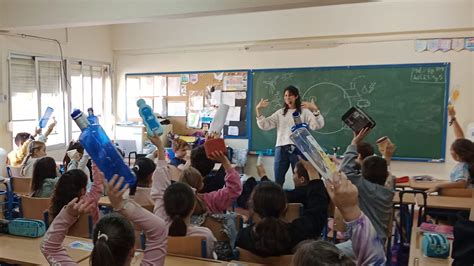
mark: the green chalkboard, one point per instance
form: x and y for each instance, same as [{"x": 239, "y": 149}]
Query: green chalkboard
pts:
[{"x": 407, "y": 102}]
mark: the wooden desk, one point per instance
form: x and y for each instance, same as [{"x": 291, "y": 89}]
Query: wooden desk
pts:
[
  {"x": 416, "y": 256},
  {"x": 173, "y": 260},
  {"x": 408, "y": 198},
  {"x": 422, "y": 185},
  {"x": 445, "y": 202},
  {"x": 24, "y": 250}
]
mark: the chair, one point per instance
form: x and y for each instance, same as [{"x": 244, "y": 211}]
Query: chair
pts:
[
  {"x": 82, "y": 227},
  {"x": 20, "y": 185},
  {"x": 245, "y": 255},
  {"x": 34, "y": 208},
  {"x": 194, "y": 246},
  {"x": 175, "y": 173}
]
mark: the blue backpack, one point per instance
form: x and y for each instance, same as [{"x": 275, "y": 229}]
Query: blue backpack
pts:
[
  {"x": 26, "y": 227},
  {"x": 435, "y": 246}
]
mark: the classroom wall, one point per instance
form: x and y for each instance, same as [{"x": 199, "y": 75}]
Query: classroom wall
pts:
[
  {"x": 89, "y": 43},
  {"x": 374, "y": 33}
]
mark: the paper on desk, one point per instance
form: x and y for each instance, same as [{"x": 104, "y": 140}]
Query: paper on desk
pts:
[
  {"x": 234, "y": 113},
  {"x": 82, "y": 245}
]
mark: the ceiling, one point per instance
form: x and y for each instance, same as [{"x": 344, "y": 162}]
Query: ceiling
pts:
[{"x": 51, "y": 14}]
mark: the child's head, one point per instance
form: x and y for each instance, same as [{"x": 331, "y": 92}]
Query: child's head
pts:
[
  {"x": 21, "y": 137},
  {"x": 180, "y": 148},
  {"x": 375, "y": 170},
  {"x": 462, "y": 150},
  {"x": 179, "y": 202},
  {"x": 114, "y": 241},
  {"x": 300, "y": 176},
  {"x": 73, "y": 145},
  {"x": 319, "y": 253},
  {"x": 37, "y": 149},
  {"x": 364, "y": 150},
  {"x": 143, "y": 170},
  {"x": 71, "y": 184},
  {"x": 200, "y": 161},
  {"x": 192, "y": 177},
  {"x": 42, "y": 169},
  {"x": 268, "y": 200}
]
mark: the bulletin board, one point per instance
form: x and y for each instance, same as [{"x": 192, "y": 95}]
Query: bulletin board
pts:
[{"x": 203, "y": 92}]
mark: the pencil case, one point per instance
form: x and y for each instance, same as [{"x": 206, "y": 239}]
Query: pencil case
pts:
[{"x": 26, "y": 227}]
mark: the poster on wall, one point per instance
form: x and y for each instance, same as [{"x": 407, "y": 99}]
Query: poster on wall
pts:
[
  {"x": 235, "y": 83},
  {"x": 174, "y": 86},
  {"x": 176, "y": 108},
  {"x": 469, "y": 44}
]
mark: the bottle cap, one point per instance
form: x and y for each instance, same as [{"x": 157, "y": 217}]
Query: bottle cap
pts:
[
  {"x": 76, "y": 113},
  {"x": 140, "y": 102}
]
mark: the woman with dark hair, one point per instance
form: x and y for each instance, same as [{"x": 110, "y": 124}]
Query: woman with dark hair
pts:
[{"x": 285, "y": 152}]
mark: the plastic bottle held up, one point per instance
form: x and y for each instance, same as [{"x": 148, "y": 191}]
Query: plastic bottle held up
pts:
[
  {"x": 298, "y": 122},
  {"x": 44, "y": 119},
  {"x": 153, "y": 126},
  {"x": 101, "y": 149},
  {"x": 91, "y": 117}
]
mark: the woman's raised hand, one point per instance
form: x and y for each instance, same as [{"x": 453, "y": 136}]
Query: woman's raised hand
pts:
[
  {"x": 310, "y": 106},
  {"x": 262, "y": 104}
]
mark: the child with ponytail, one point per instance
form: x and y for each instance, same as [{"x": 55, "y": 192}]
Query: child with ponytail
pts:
[
  {"x": 462, "y": 151},
  {"x": 143, "y": 169},
  {"x": 36, "y": 150},
  {"x": 175, "y": 203},
  {"x": 114, "y": 234}
]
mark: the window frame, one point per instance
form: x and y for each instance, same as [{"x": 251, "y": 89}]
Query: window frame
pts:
[{"x": 65, "y": 90}]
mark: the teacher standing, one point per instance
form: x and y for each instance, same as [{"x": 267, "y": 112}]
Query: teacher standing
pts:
[{"x": 286, "y": 152}]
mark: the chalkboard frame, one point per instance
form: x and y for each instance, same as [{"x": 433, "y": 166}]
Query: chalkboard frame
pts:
[
  {"x": 249, "y": 85},
  {"x": 446, "y": 65}
]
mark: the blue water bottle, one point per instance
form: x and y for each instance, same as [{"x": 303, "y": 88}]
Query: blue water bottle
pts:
[
  {"x": 44, "y": 119},
  {"x": 101, "y": 149},
  {"x": 91, "y": 117},
  {"x": 153, "y": 126},
  {"x": 298, "y": 122}
]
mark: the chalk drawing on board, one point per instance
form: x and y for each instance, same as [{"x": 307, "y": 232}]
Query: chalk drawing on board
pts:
[{"x": 275, "y": 102}]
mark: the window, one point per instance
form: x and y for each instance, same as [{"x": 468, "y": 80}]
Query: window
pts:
[
  {"x": 90, "y": 87},
  {"x": 35, "y": 84},
  {"x": 153, "y": 89}
]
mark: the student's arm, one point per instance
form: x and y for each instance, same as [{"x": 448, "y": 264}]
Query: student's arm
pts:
[
  {"x": 154, "y": 227},
  {"x": 161, "y": 180},
  {"x": 267, "y": 123},
  {"x": 159, "y": 146},
  {"x": 461, "y": 183},
  {"x": 348, "y": 164},
  {"x": 220, "y": 200},
  {"x": 52, "y": 243},
  {"x": 458, "y": 132},
  {"x": 97, "y": 190},
  {"x": 368, "y": 248}
]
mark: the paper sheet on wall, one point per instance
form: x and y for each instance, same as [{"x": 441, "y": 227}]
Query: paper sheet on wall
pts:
[
  {"x": 184, "y": 78},
  {"x": 240, "y": 95},
  {"x": 445, "y": 45},
  {"x": 193, "y": 78},
  {"x": 193, "y": 120},
  {"x": 216, "y": 97},
  {"x": 420, "y": 45},
  {"x": 228, "y": 98},
  {"x": 160, "y": 85},
  {"x": 433, "y": 45},
  {"x": 234, "y": 83},
  {"x": 174, "y": 86},
  {"x": 219, "y": 76},
  {"x": 469, "y": 44},
  {"x": 196, "y": 103},
  {"x": 177, "y": 108},
  {"x": 234, "y": 113},
  {"x": 233, "y": 131},
  {"x": 457, "y": 44}
]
